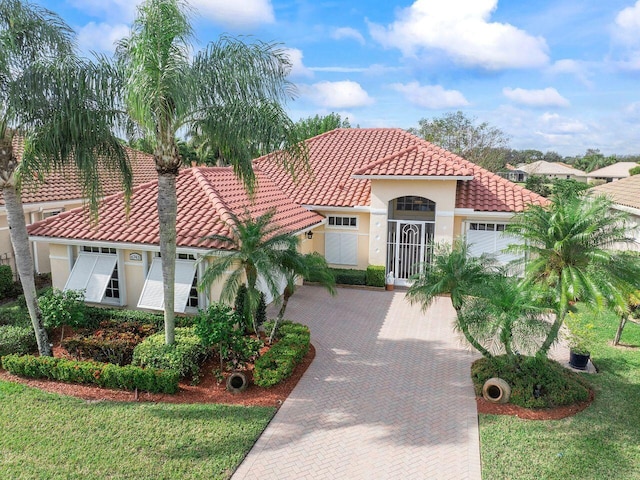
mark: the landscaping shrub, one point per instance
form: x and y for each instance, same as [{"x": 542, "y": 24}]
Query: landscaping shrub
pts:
[
  {"x": 95, "y": 315},
  {"x": 239, "y": 306},
  {"x": 6, "y": 282},
  {"x": 15, "y": 316},
  {"x": 344, "y": 276},
  {"x": 282, "y": 358},
  {"x": 16, "y": 339},
  {"x": 261, "y": 312},
  {"x": 113, "y": 342},
  {"x": 536, "y": 382},
  {"x": 102, "y": 374},
  {"x": 183, "y": 356},
  {"x": 61, "y": 308},
  {"x": 375, "y": 275}
]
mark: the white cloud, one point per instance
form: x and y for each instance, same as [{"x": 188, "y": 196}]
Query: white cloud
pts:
[
  {"x": 547, "y": 97},
  {"x": 627, "y": 24},
  {"x": 577, "y": 68},
  {"x": 236, "y": 14},
  {"x": 101, "y": 37},
  {"x": 119, "y": 10},
  {"x": 462, "y": 30},
  {"x": 557, "y": 124},
  {"x": 348, "y": 32},
  {"x": 343, "y": 94},
  {"x": 431, "y": 96},
  {"x": 297, "y": 67}
]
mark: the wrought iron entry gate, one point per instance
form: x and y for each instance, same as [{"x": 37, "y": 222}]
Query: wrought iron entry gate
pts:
[{"x": 409, "y": 244}]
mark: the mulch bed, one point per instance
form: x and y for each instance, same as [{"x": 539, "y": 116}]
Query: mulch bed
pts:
[
  {"x": 532, "y": 414},
  {"x": 207, "y": 391}
]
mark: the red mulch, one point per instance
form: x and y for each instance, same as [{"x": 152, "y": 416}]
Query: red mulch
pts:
[
  {"x": 532, "y": 414},
  {"x": 207, "y": 391}
]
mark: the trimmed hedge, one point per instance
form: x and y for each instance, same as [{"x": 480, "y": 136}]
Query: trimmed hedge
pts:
[
  {"x": 104, "y": 375},
  {"x": 16, "y": 339},
  {"x": 96, "y": 315},
  {"x": 375, "y": 275},
  {"x": 282, "y": 358},
  {"x": 183, "y": 356}
]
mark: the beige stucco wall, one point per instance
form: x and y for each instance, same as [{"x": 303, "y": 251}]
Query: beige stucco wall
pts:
[
  {"x": 317, "y": 244},
  {"x": 442, "y": 192}
]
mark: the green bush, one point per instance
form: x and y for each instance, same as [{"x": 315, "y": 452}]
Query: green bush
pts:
[
  {"x": 261, "y": 312},
  {"x": 16, "y": 339},
  {"x": 344, "y": 276},
  {"x": 7, "y": 288},
  {"x": 536, "y": 382},
  {"x": 104, "y": 375},
  {"x": 96, "y": 315},
  {"x": 61, "y": 308},
  {"x": 282, "y": 358},
  {"x": 183, "y": 356},
  {"x": 375, "y": 275},
  {"x": 113, "y": 342},
  {"x": 15, "y": 316}
]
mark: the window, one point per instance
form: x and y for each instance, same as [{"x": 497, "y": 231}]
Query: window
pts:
[
  {"x": 93, "y": 273},
  {"x": 489, "y": 227},
  {"x": 179, "y": 256},
  {"x": 88, "y": 249},
  {"x": 152, "y": 296},
  {"x": 347, "y": 222},
  {"x": 415, "y": 204},
  {"x": 50, "y": 213},
  {"x": 192, "y": 301}
]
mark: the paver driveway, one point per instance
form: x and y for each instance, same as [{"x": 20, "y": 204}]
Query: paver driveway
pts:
[{"x": 388, "y": 395}]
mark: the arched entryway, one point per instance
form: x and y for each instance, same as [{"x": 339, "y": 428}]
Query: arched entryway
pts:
[{"x": 411, "y": 222}]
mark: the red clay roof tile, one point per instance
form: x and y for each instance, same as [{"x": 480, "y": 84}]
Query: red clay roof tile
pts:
[{"x": 205, "y": 198}]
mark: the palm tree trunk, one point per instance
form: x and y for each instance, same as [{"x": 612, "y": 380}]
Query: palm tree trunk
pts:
[
  {"x": 552, "y": 335},
  {"x": 285, "y": 300},
  {"x": 167, "y": 212},
  {"x": 467, "y": 334},
  {"x": 623, "y": 322},
  {"x": 24, "y": 263}
]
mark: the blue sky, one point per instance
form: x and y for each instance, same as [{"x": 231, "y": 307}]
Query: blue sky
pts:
[{"x": 558, "y": 75}]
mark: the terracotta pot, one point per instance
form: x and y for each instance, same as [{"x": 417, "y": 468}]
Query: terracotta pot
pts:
[{"x": 388, "y": 286}]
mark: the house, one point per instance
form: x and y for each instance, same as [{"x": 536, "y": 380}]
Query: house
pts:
[
  {"x": 553, "y": 171},
  {"x": 625, "y": 195},
  {"x": 611, "y": 173},
  {"x": 60, "y": 191},
  {"x": 368, "y": 197}
]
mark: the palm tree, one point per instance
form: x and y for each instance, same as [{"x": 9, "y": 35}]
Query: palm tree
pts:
[
  {"x": 258, "y": 248},
  {"x": 570, "y": 249},
  {"x": 57, "y": 106},
  {"x": 454, "y": 272},
  {"x": 232, "y": 91},
  {"x": 506, "y": 316}
]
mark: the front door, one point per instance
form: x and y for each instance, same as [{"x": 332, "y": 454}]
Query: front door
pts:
[{"x": 409, "y": 245}]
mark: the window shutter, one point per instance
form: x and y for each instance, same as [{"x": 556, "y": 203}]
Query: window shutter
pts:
[
  {"x": 91, "y": 273},
  {"x": 152, "y": 296}
]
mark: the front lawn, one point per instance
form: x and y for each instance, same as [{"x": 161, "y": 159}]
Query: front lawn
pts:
[
  {"x": 601, "y": 442},
  {"x": 50, "y": 436}
]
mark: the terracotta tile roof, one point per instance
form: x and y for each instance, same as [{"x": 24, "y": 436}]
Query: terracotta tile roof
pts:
[
  {"x": 336, "y": 156},
  {"x": 205, "y": 196},
  {"x": 65, "y": 184},
  {"x": 625, "y": 192}
]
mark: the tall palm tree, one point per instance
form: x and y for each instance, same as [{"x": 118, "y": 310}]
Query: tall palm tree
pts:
[
  {"x": 454, "y": 272},
  {"x": 570, "y": 249},
  {"x": 258, "y": 248},
  {"x": 231, "y": 90},
  {"x": 58, "y": 106}
]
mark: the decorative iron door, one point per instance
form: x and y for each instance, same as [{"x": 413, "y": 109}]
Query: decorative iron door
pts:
[{"x": 409, "y": 245}]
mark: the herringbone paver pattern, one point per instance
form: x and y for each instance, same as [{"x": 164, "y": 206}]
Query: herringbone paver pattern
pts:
[{"x": 388, "y": 395}]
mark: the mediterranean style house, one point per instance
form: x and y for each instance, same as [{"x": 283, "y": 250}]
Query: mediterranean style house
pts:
[
  {"x": 368, "y": 197},
  {"x": 60, "y": 191}
]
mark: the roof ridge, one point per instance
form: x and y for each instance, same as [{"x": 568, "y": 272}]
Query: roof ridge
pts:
[
  {"x": 214, "y": 196},
  {"x": 380, "y": 161}
]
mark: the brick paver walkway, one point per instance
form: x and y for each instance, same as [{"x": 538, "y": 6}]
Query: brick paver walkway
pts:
[{"x": 388, "y": 395}]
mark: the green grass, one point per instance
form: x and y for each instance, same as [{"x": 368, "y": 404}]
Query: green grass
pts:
[
  {"x": 601, "y": 442},
  {"x": 48, "y": 436}
]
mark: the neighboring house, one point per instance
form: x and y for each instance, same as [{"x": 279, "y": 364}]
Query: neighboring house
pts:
[
  {"x": 514, "y": 174},
  {"x": 553, "y": 171},
  {"x": 611, "y": 173},
  {"x": 117, "y": 262},
  {"x": 625, "y": 194},
  {"x": 58, "y": 192},
  {"x": 380, "y": 197}
]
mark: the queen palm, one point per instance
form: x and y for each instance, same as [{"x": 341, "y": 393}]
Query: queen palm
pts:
[
  {"x": 231, "y": 91},
  {"x": 55, "y": 104},
  {"x": 454, "y": 272},
  {"x": 569, "y": 247},
  {"x": 258, "y": 248}
]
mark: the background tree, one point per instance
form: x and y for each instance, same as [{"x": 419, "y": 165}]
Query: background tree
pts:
[
  {"x": 231, "y": 92},
  {"x": 482, "y": 144},
  {"x": 317, "y": 125},
  {"x": 538, "y": 184},
  {"x": 592, "y": 160},
  {"x": 59, "y": 106},
  {"x": 570, "y": 249}
]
